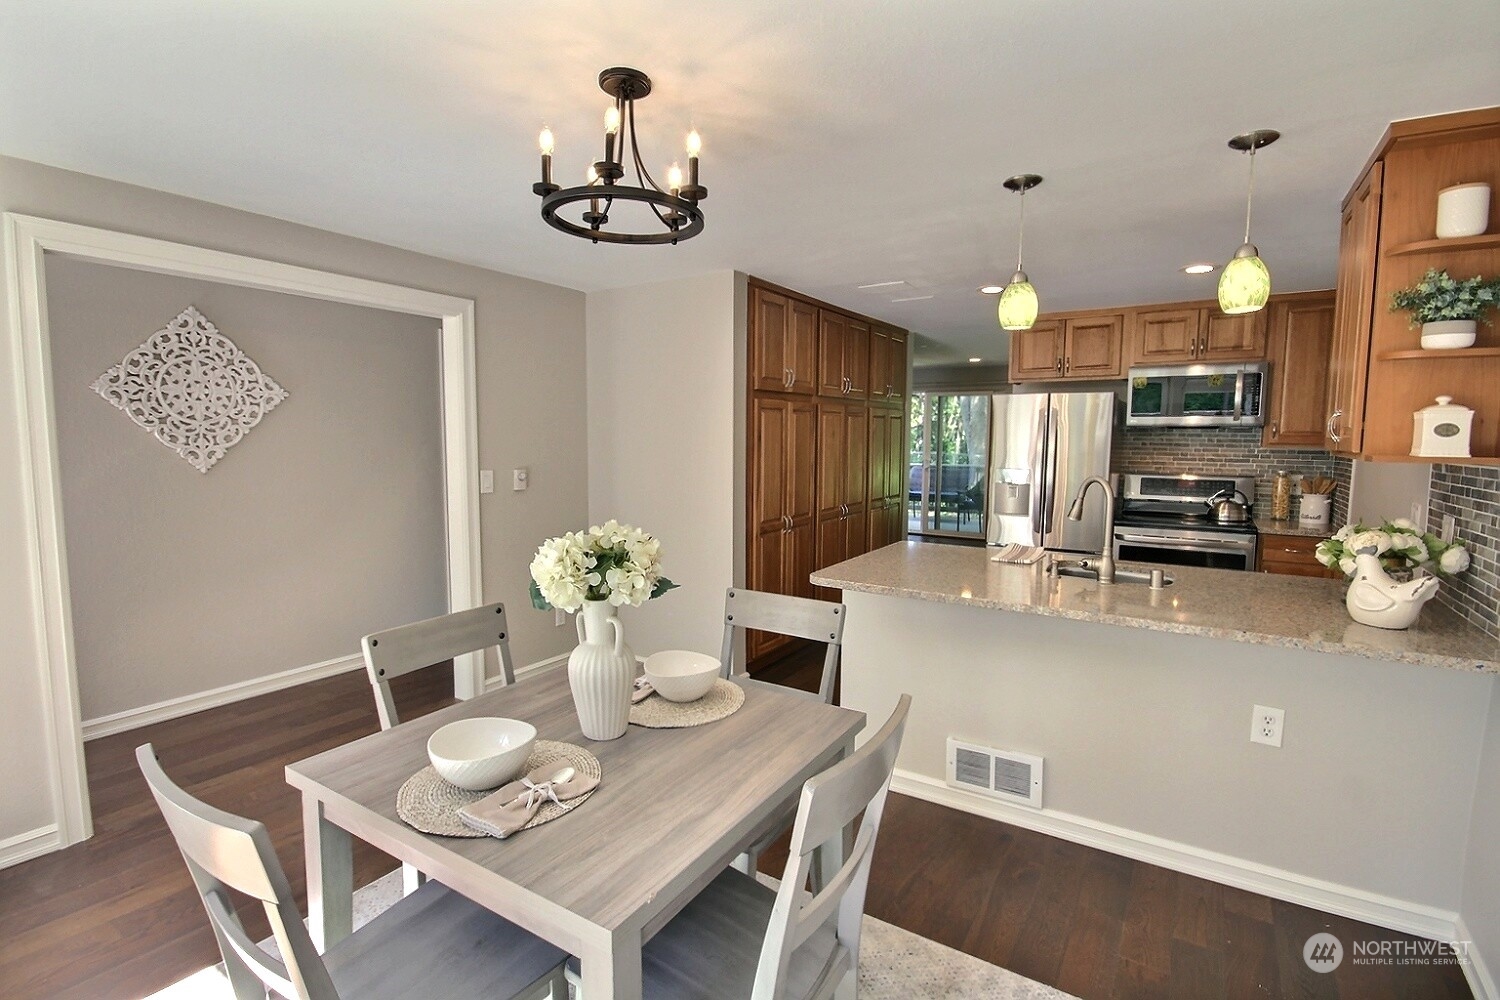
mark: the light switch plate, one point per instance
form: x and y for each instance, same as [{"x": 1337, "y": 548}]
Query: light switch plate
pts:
[
  {"x": 486, "y": 480},
  {"x": 519, "y": 479}
]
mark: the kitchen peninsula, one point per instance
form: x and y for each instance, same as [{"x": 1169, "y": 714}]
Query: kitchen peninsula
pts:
[{"x": 1140, "y": 704}]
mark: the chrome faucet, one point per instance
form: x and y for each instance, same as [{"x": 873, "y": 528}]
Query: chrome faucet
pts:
[{"x": 1075, "y": 513}]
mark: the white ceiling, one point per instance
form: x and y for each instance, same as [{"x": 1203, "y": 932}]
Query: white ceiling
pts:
[{"x": 845, "y": 143}]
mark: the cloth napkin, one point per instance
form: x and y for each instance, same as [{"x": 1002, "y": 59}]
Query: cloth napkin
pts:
[
  {"x": 643, "y": 690},
  {"x": 510, "y": 807},
  {"x": 1019, "y": 555}
]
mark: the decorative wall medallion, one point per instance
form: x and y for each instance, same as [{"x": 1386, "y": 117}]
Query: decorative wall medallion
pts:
[{"x": 192, "y": 388}]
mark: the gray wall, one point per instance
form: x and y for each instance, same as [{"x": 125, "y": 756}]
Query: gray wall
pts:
[
  {"x": 1481, "y": 898},
  {"x": 324, "y": 523},
  {"x": 530, "y": 364}
]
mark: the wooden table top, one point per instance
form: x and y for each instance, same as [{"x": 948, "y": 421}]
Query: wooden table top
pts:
[{"x": 668, "y": 798}]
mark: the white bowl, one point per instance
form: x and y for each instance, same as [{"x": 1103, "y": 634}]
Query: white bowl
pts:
[
  {"x": 481, "y": 753},
  {"x": 681, "y": 675}
]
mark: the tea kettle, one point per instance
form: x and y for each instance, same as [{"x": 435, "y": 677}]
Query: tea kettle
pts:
[{"x": 1229, "y": 507}]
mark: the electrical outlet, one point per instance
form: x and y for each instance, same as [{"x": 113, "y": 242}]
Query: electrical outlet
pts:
[
  {"x": 1265, "y": 725},
  {"x": 559, "y": 617},
  {"x": 1448, "y": 527}
]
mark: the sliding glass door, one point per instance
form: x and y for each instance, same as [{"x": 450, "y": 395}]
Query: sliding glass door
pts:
[{"x": 946, "y": 479}]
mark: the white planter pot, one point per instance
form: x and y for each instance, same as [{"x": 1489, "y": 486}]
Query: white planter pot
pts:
[
  {"x": 1447, "y": 334},
  {"x": 1375, "y": 598},
  {"x": 1463, "y": 210},
  {"x": 601, "y": 672}
]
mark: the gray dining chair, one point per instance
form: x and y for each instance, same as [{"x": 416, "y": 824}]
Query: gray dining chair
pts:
[
  {"x": 800, "y": 617},
  {"x": 398, "y": 651},
  {"x": 740, "y": 939},
  {"x": 434, "y": 943}
]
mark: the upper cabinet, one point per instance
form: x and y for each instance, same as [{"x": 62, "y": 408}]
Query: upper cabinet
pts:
[
  {"x": 1301, "y": 336},
  {"x": 1070, "y": 347},
  {"x": 843, "y": 355},
  {"x": 1380, "y": 375},
  {"x": 784, "y": 343},
  {"x": 887, "y": 362},
  {"x": 1197, "y": 333}
]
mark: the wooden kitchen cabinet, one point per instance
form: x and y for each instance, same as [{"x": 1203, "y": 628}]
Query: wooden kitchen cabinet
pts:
[
  {"x": 1198, "y": 335},
  {"x": 1301, "y": 338},
  {"x": 1292, "y": 555},
  {"x": 783, "y": 343},
  {"x": 1381, "y": 374},
  {"x": 826, "y": 476},
  {"x": 1036, "y": 354},
  {"x": 1093, "y": 347},
  {"x": 843, "y": 355},
  {"x": 782, "y": 502}
]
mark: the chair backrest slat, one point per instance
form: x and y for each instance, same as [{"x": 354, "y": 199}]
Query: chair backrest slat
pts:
[
  {"x": 398, "y": 651},
  {"x": 857, "y": 784},
  {"x": 799, "y": 617},
  {"x": 224, "y": 851}
]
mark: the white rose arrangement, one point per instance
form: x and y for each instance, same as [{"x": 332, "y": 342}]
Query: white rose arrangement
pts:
[
  {"x": 611, "y": 562},
  {"x": 1399, "y": 543}
]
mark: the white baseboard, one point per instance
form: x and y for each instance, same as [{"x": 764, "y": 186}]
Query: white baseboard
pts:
[
  {"x": 174, "y": 708},
  {"x": 490, "y": 683},
  {"x": 28, "y": 845},
  {"x": 1331, "y": 897},
  {"x": 1481, "y": 981}
]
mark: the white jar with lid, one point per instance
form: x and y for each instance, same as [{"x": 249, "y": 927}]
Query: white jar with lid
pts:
[{"x": 1442, "y": 430}]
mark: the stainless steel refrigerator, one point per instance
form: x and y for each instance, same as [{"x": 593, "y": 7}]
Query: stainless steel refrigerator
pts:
[{"x": 1042, "y": 448}]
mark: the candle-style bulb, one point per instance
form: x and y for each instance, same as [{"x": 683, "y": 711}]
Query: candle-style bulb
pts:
[
  {"x": 592, "y": 175},
  {"x": 545, "y": 141},
  {"x": 694, "y": 143},
  {"x": 674, "y": 178},
  {"x": 611, "y": 120}
]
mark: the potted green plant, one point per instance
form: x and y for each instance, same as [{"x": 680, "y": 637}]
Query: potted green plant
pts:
[{"x": 1447, "y": 310}]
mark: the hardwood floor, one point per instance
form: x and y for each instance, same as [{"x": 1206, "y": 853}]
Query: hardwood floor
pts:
[{"x": 116, "y": 916}]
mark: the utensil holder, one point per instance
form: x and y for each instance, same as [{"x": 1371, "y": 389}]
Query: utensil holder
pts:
[{"x": 1315, "y": 510}]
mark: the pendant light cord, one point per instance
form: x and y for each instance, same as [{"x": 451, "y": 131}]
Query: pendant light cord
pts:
[
  {"x": 1021, "y": 233},
  {"x": 1250, "y": 197}
]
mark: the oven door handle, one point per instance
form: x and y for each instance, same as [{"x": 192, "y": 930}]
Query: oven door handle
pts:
[
  {"x": 1186, "y": 545},
  {"x": 1239, "y": 395}
]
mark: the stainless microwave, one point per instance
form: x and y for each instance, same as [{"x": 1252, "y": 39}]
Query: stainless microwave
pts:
[{"x": 1224, "y": 395}]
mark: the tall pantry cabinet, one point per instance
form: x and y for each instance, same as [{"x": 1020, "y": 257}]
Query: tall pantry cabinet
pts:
[{"x": 827, "y": 444}]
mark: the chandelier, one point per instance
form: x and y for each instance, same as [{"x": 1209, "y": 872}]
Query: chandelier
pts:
[{"x": 675, "y": 206}]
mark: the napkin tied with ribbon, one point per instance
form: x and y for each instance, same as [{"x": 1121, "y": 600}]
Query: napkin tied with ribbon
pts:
[{"x": 510, "y": 807}]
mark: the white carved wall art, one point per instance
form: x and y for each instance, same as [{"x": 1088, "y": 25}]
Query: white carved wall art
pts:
[{"x": 192, "y": 388}]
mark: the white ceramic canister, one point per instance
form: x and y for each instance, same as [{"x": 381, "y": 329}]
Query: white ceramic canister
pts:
[{"x": 1463, "y": 210}]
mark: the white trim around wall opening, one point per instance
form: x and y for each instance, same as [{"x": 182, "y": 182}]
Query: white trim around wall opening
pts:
[{"x": 27, "y": 242}]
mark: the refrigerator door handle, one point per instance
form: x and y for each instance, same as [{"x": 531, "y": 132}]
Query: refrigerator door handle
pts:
[{"x": 1039, "y": 492}]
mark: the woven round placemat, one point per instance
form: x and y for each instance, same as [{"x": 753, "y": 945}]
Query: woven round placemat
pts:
[
  {"x": 656, "y": 712},
  {"x": 430, "y": 804}
]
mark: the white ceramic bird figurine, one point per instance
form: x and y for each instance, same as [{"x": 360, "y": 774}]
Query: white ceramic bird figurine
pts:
[{"x": 1375, "y": 599}]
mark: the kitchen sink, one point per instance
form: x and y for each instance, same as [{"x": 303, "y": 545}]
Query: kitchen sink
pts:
[{"x": 1087, "y": 570}]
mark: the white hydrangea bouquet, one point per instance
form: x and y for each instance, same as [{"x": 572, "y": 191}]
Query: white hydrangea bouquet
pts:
[
  {"x": 1399, "y": 543},
  {"x": 611, "y": 562}
]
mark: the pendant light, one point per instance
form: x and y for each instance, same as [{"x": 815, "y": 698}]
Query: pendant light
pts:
[
  {"x": 1018, "y": 303},
  {"x": 1245, "y": 284}
]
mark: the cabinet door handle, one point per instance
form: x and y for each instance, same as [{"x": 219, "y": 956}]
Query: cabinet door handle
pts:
[
  {"x": 1059, "y": 365},
  {"x": 1333, "y": 434},
  {"x": 1067, "y": 366},
  {"x": 1193, "y": 351},
  {"x": 1276, "y": 428}
]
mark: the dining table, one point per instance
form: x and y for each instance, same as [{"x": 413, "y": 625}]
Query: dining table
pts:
[{"x": 673, "y": 809}]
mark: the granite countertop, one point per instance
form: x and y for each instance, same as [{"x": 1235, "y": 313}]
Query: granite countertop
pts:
[
  {"x": 1290, "y": 611},
  {"x": 1271, "y": 526}
]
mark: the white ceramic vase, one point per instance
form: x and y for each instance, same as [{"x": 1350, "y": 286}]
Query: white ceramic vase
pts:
[
  {"x": 601, "y": 672},
  {"x": 1463, "y": 210},
  {"x": 1375, "y": 598},
  {"x": 1448, "y": 334}
]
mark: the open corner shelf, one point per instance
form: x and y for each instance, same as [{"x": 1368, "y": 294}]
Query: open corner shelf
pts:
[
  {"x": 1457, "y": 353},
  {"x": 1484, "y": 241}
]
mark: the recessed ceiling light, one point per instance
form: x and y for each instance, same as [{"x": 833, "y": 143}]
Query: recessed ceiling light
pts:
[
  {"x": 992, "y": 289},
  {"x": 975, "y": 361},
  {"x": 1198, "y": 269}
]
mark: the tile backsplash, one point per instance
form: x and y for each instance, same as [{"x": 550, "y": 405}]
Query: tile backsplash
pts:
[
  {"x": 1471, "y": 496},
  {"x": 1227, "y": 450}
]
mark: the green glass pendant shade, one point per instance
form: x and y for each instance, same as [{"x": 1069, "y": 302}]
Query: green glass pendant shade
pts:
[
  {"x": 1018, "y": 304},
  {"x": 1245, "y": 285}
]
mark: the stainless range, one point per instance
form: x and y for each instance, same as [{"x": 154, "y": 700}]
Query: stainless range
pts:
[{"x": 1167, "y": 519}]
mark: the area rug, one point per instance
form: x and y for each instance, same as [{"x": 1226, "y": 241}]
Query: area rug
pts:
[{"x": 894, "y": 964}]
